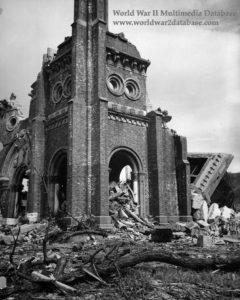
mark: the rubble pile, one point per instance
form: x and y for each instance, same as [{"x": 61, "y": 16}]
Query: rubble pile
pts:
[
  {"x": 221, "y": 224},
  {"x": 55, "y": 262},
  {"x": 28, "y": 233},
  {"x": 124, "y": 208}
]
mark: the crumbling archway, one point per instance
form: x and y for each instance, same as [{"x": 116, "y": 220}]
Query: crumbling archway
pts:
[
  {"x": 14, "y": 178},
  {"x": 58, "y": 181},
  {"x": 121, "y": 158}
]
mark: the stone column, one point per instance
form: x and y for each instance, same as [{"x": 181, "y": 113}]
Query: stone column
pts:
[
  {"x": 88, "y": 113},
  {"x": 77, "y": 183},
  {"x": 183, "y": 178},
  {"x": 37, "y": 194},
  {"x": 162, "y": 170},
  {"x": 141, "y": 182}
]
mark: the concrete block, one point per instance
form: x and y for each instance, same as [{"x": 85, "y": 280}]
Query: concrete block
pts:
[
  {"x": 197, "y": 200},
  {"x": 162, "y": 235},
  {"x": 204, "y": 241}
]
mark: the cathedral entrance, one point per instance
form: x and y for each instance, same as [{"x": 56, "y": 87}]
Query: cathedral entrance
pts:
[
  {"x": 125, "y": 168},
  {"x": 58, "y": 182}
]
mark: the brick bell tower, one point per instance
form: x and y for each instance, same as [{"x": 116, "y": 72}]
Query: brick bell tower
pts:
[
  {"x": 88, "y": 120},
  {"x": 109, "y": 126},
  {"x": 107, "y": 113},
  {"x": 88, "y": 113}
]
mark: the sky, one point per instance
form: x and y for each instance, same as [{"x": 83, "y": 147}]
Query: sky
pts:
[{"x": 194, "y": 71}]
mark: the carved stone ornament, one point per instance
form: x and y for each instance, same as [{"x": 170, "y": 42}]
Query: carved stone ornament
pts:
[
  {"x": 115, "y": 84},
  {"x": 132, "y": 89}
]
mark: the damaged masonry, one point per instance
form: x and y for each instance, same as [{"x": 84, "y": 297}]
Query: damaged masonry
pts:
[
  {"x": 89, "y": 119},
  {"x": 88, "y": 123},
  {"x": 93, "y": 176}
]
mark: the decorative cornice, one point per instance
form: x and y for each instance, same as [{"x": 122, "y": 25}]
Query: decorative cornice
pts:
[
  {"x": 60, "y": 62},
  {"x": 126, "y": 61}
]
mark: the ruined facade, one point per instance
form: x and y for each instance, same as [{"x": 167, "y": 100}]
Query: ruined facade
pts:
[
  {"x": 88, "y": 119},
  {"x": 208, "y": 173}
]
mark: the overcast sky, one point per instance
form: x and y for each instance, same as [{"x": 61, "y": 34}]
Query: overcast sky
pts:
[{"x": 194, "y": 71}]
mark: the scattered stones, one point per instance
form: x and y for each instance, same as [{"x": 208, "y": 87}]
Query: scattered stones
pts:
[{"x": 8, "y": 239}]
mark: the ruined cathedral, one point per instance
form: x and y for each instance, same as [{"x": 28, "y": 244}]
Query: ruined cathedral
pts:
[{"x": 88, "y": 119}]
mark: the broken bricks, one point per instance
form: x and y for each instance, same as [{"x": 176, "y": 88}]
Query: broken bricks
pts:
[{"x": 123, "y": 208}]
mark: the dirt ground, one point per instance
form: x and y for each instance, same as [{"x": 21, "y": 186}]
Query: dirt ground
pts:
[{"x": 94, "y": 266}]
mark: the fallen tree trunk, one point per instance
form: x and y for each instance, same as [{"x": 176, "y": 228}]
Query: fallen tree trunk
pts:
[
  {"x": 194, "y": 261},
  {"x": 186, "y": 259}
]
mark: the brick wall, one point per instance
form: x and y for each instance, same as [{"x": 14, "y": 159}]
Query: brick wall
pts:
[
  {"x": 162, "y": 174},
  {"x": 183, "y": 177}
]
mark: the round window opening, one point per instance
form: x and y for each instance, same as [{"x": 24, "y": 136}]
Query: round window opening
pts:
[
  {"x": 11, "y": 123},
  {"x": 57, "y": 92},
  {"x": 115, "y": 84},
  {"x": 132, "y": 89}
]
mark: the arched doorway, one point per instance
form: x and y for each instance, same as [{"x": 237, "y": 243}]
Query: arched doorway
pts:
[
  {"x": 124, "y": 164},
  {"x": 19, "y": 192},
  {"x": 58, "y": 182}
]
